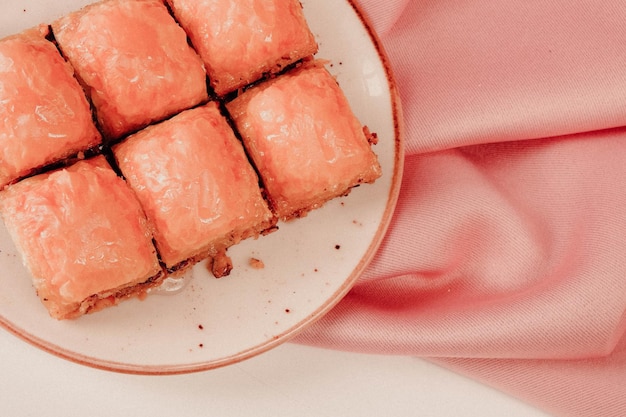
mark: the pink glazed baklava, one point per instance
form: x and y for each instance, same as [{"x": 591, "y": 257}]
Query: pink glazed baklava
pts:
[
  {"x": 304, "y": 139},
  {"x": 83, "y": 236},
  {"x": 199, "y": 192},
  {"x": 44, "y": 114},
  {"x": 134, "y": 61},
  {"x": 242, "y": 40}
]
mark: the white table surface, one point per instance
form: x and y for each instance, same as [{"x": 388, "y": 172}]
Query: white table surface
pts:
[{"x": 290, "y": 380}]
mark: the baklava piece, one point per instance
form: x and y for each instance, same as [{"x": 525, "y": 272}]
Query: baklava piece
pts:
[
  {"x": 45, "y": 116},
  {"x": 199, "y": 191},
  {"x": 134, "y": 61},
  {"x": 83, "y": 236},
  {"x": 304, "y": 139},
  {"x": 240, "y": 41}
]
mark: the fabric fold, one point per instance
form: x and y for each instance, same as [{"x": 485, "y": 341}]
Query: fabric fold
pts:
[
  {"x": 492, "y": 255},
  {"x": 481, "y": 72},
  {"x": 584, "y": 387},
  {"x": 506, "y": 257}
]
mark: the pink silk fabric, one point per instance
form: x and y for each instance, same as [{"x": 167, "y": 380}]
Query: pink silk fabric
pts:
[{"x": 506, "y": 258}]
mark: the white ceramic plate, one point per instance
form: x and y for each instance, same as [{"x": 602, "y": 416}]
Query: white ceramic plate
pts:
[{"x": 310, "y": 264}]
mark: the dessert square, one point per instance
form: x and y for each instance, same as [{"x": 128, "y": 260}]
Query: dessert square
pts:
[
  {"x": 134, "y": 61},
  {"x": 241, "y": 40},
  {"x": 45, "y": 114},
  {"x": 199, "y": 191},
  {"x": 304, "y": 139},
  {"x": 82, "y": 235}
]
